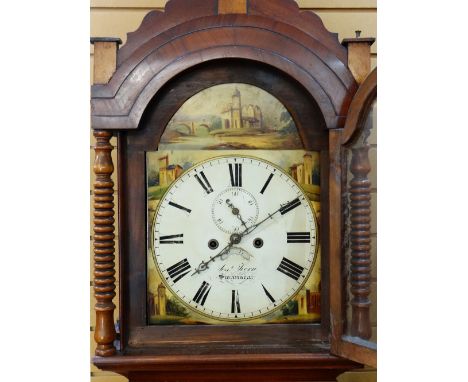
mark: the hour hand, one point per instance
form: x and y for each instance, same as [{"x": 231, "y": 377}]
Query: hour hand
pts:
[{"x": 236, "y": 212}]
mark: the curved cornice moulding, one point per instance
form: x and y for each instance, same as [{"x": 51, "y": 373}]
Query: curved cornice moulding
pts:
[{"x": 189, "y": 33}]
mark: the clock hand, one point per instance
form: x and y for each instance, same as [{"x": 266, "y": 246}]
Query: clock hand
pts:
[
  {"x": 203, "y": 266},
  {"x": 283, "y": 209},
  {"x": 236, "y": 212},
  {"x": 236, "y": 238}
]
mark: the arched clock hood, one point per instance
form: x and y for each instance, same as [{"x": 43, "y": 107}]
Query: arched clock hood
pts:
[{"x": 272, "y": 32}]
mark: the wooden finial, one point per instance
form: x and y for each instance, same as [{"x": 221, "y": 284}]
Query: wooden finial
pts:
[
  {"x": 359, "y": 55},
  {"x": 105, "y": 58},
  {"x": 232, "y": 6}
]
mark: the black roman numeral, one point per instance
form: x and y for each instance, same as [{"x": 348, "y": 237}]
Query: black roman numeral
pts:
[
  {"x": 179, "y": 270},
  {"x": 290, "y": 268},
  {"x": 204, "y": 182},
  {"x": 268, "y": 294},
  {"x": 267, "y": 183},
  {"x": 235, "y": 304},
  {"x": 169, "y": 239},
  {"x": 298, "y": 237},
  {"x": 180, "y": 207},
  {"x": 236, "y": 174},
  {"x": 202, "y": 293},
  {"x": 290, "y": 206}
]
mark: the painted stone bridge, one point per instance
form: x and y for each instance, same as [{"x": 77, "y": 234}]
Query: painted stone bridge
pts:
[{"x": 193, "y": 128}]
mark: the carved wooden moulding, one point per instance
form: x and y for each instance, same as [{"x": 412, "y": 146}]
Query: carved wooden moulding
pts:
[{"x": 275, "y": 33}]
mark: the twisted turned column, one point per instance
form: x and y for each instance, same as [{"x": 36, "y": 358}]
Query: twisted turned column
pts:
[
  {"x": 360, "y": 188},
  {"x": 104, "y": 247}
]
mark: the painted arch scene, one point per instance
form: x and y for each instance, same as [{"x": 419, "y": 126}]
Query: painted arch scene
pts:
[{"x": 231, "y": 117}]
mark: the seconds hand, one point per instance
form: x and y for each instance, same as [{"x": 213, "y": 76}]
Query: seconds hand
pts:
[{"x": 236, "y": 212}]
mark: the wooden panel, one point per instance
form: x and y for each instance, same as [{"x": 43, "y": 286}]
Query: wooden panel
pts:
[
  {"x": 229, "y": 368},
  {"x": 359, "y": 60},
  {"x": 336, "y": 296},
  {"x": 232, "y": 6},
  {"x": 105, "y": 61}
]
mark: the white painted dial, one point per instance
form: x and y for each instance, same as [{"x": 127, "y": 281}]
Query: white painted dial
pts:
[{"x": 234, "y": 238}]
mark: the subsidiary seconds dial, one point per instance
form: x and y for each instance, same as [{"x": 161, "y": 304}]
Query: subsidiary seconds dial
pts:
[{"x": 234, "y": 238}]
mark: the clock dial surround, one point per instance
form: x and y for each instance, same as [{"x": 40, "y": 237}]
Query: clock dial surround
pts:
[{"x": 260, "y": 263}]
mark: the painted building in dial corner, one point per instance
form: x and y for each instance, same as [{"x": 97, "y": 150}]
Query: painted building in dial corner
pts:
[
  {"x": 168, "y": 173},
  {"x": 307, "y": 172},
  {"x": 308, "y": 302},
  {"x": 157, "y": 303}
]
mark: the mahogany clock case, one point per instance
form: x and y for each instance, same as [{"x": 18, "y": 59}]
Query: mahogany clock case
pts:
[
  {"x": 136, "y": 335},
  {"x": 173, "y": 55}
]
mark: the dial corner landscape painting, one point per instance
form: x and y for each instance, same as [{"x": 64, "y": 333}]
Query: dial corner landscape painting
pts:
[{"x": 166, "y": 168}]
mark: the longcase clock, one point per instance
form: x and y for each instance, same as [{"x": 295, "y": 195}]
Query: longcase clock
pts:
[{"x": 243, "y": 131}]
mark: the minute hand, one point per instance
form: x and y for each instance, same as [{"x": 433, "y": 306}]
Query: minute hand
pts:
[
  {"x": 205, "y": 264},
  {"x": 283, "y": 209}
]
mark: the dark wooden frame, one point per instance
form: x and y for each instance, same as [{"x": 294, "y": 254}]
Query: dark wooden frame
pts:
[
  {"x": 351, "y": 347},
  {"x": 273, "y": 38},
  {"x": 135, "y": 333}
]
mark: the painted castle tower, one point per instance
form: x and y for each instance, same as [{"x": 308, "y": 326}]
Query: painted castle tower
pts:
[
  {"x": 157, "y": 303},
  {"x": 238, "y": 116},
  {"x": 236, "y": 110},
  {"x": 307, "y": 171},
  {"x": 168, "y": 173}
]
